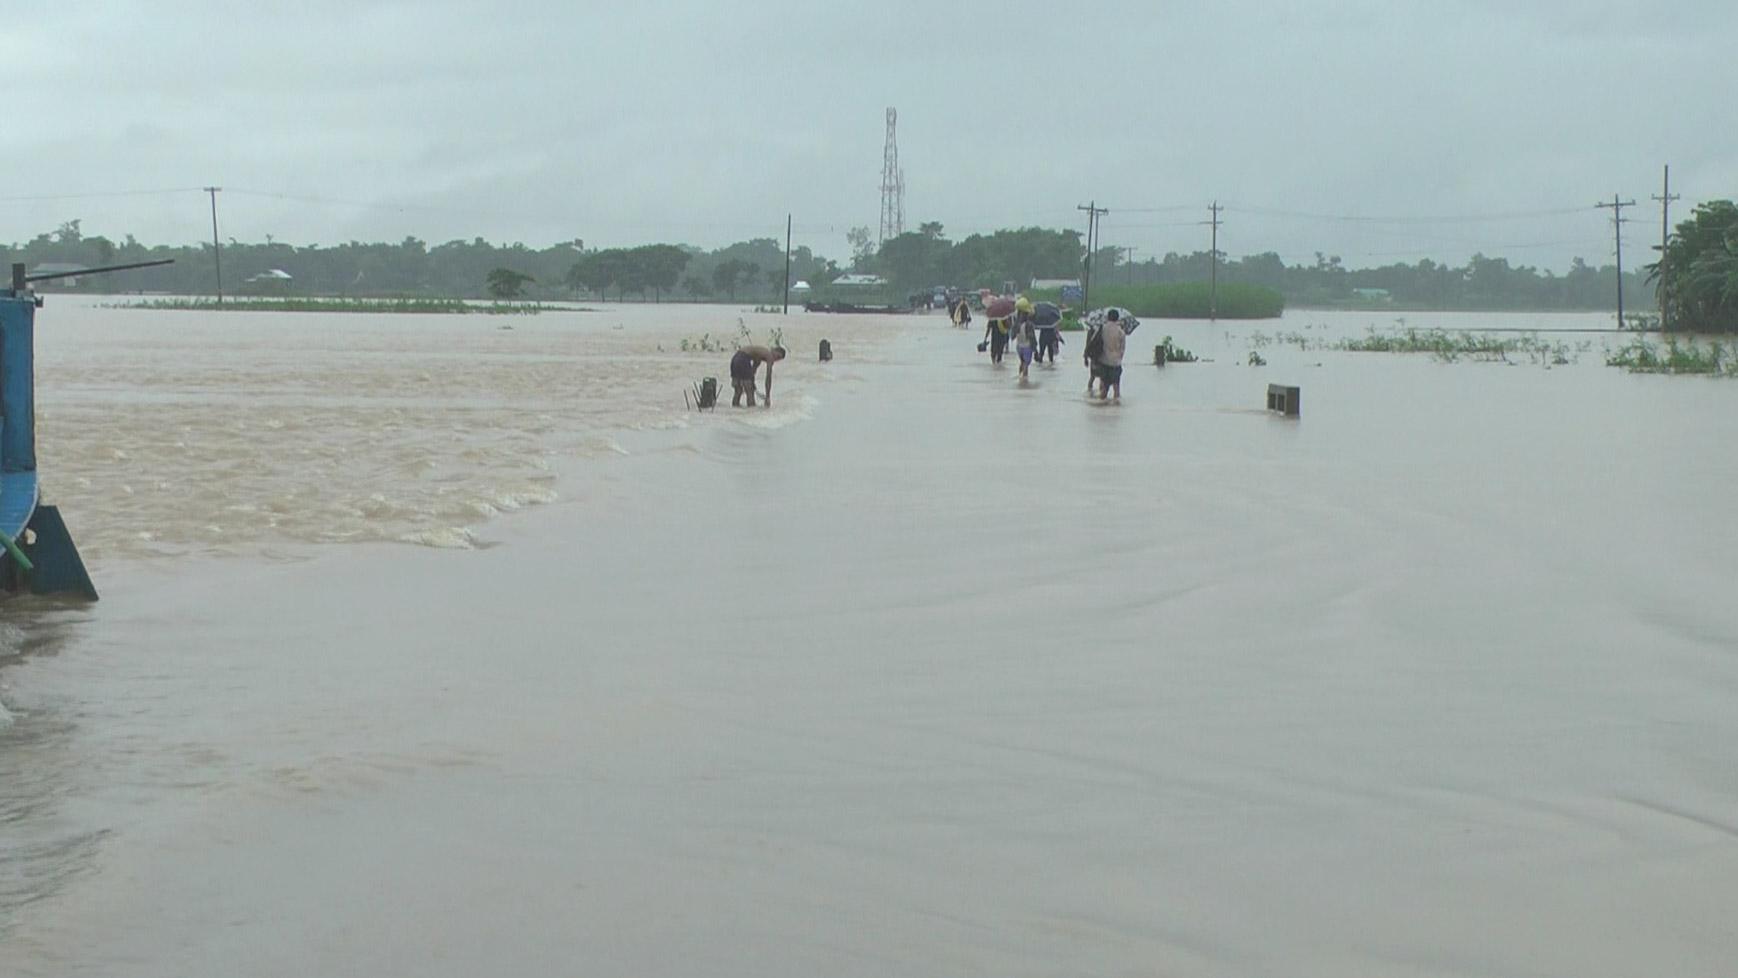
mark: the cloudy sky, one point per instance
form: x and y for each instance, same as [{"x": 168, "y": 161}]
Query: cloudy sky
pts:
[{"x": 1380, "y": 131}]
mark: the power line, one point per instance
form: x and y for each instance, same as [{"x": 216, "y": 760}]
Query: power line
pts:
[
  {"x": 24, "y": 198},
  {"x": 1411, "y": 219}
]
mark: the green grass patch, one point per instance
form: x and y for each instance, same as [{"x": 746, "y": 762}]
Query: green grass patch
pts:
[
  {"x": 1715, "y": 359},
  {"x": 1449, "y": 347},
  {"x": 404, "y": 305}
]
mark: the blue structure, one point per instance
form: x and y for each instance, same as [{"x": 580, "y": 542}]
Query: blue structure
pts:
[{"x": 39, "y": 554}]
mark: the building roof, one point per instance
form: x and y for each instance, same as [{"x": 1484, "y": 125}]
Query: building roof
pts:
[
  {"x": 1053, "y": 283},
  {"x": 859, "y": 280}
]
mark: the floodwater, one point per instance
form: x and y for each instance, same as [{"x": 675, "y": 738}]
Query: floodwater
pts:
[{"x": 921, "y": 672}]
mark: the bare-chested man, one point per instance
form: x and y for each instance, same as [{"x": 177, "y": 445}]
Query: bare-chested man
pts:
[{"x": 742, "y": 368}]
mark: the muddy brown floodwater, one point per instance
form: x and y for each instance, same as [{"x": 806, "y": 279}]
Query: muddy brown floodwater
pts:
[{"x": 921, "y": 672}]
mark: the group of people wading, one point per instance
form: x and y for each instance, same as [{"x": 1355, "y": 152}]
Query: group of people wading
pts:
[
  {"x": 1034, "y": 331},
  {"x": 1032, "y": 328}
]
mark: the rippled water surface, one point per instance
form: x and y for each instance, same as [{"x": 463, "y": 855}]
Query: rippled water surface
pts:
[
  {"x": 222, "y": 433},
  {"x": 923, "y": 671}
]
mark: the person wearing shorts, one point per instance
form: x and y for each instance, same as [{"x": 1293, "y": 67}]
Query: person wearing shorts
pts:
[
  {"x": 1025, "y": 341},
  {"x": 1112, "y": 344},
  {"x": 742, "y": 367}
]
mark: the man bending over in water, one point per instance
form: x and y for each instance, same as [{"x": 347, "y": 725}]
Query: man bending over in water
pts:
[{"x": 743, "y": 366}]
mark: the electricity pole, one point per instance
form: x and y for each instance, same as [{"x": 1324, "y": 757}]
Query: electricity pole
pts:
[
  {"x": 216, "y": 252},
  {"x": 1129, "y": 251},
  {"x": 1617, "y": 205},
  {"x": 1665, "y": 197},
  {"x": 1213, "y": 264},
  {"x": 787, "y": 264},
  {"x": 1093, "y": 213}
]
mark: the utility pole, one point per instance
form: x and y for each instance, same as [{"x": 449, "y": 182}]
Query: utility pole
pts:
[
  {"x": 1093, "y": 213},
  {"x": 787, "y": 264},
  {"x": 1617, "y": 205},
  {"x": 216, "y": 252},
  {"x": 1665, "y": 197},
  {"x": 1213, "y": 264},
  {"x": 1129, "y": 251}
]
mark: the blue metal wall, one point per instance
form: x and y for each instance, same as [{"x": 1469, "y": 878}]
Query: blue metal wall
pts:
[{"x": 17, "y": 384}]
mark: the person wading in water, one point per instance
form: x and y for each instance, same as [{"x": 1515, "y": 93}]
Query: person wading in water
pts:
[{"x": 742, "y": 368}]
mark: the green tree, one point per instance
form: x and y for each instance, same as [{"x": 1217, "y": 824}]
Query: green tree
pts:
[
  {"x": 661, "y": 266},
  {"x": 505, "y": 283},
  {"x": 727, "y": 276},
  {"x": 862, "y": 248},
  {"x": 1696, "y": 277}
]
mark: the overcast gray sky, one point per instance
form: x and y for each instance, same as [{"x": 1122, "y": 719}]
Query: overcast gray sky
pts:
[{"x": 705, "y": 123}]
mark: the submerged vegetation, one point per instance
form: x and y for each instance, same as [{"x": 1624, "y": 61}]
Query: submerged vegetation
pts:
[
  {"x": 1713, "y": 359},
  {"x": 287, "y": 304},
  {"x": 1175, "y": 353},
  {"x": 1440, "y": 344},
  {"x": 707, "y": 343}
]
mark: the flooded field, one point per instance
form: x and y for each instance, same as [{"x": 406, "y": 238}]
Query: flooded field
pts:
[{"x": 922, "y": 672}]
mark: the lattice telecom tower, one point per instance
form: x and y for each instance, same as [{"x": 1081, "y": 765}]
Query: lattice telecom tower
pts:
[{"x": 892, "y": 184}]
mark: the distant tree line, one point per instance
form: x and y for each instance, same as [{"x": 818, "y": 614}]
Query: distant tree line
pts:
[
  {"x": 752, "y": 269},
  {"x": 1481, "y": 284},
  {"x": 924, "y": 258},
  {"x": 913, "y": 262}
]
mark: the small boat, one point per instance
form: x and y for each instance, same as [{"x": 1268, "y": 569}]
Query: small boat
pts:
[{"x": 39, "y": 555}]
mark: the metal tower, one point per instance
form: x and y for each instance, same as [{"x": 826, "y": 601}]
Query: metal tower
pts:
[{"x": 892, "y": 184}]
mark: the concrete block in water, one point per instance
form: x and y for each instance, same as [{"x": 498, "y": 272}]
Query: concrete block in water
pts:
[
  {"x": 1282, "y": 399},
  {"x": 826, "y": 351}
]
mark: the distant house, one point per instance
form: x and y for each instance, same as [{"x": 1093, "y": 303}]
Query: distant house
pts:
[
  {"x": 59, "y": 268},
  {"x": 272, "y": 281},
  {"x": 1045, "y": 284},
  {"x": 800, "y": 286},
  {"x": 860, "y": 281}
]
